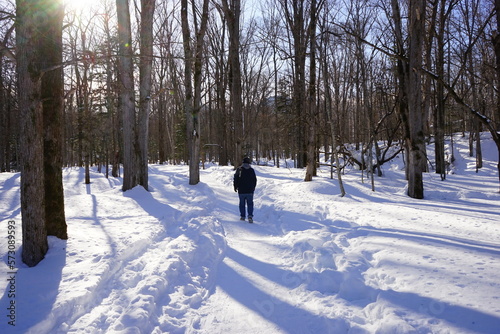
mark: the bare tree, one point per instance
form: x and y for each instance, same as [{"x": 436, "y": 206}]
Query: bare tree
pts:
[
  {"x": 331, "y": 103},
  {"x": 401, "y": 73},
  {"x": 295, "y": 12},
  {"x": 496, "y": 46},
  {"x": 217, "y": 73},
  {"x": 114, "y": 155},
  {"x": 416, "y": 155},
  {"x": 439, "y": 113},
  {"x": 311, "y": 106},
  {"x": 145, "y": 78},
  {"x": 52, "y": 89},
  {"x": 83, "y": 95},
  {"x": 6, "y": 115},
  {"x": 232, "y": 12},
  {"x": 38, "y": 62},
  {"x": 193, "y": 60},
  {"x": 127, "y": 95}
]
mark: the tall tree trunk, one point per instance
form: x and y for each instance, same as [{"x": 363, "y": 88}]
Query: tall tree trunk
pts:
[
  {"x": 126, "y": 91},
  {"x": 475, "y": 132},
  {"x": 198, "y": 78},
  {"x": 188, "y": 88},
  {"x": 53, "y": 114},
  {"x": 294, "y": 15},
  {"x": 4, "y": 123},
  {"x": 193, "y": 60},
  {"x": 29, "y": 16},
  {"x": 331, "y": 111},
  {"x": 417, "y": 156},
  {"x": 145, "y": 78},
  {"x": 221, "y": 78},
  {"x": 110, "y": 102},
  {"x": 366, "y": 104},
  {"x": 84, "y": 105},
  {"x": 162, "y": 139},
  {"x": 114, "y": 151},
  {"x": 439, "y": 113},
  {"x": 401, "y": 77},
  {"x": 496, "y": 45},
  {"x": 5, "y": 111},
  {"x": 232, "y": 13},
  {"x": 311, "y": 98},
  {"x": 429, "y": 98}
]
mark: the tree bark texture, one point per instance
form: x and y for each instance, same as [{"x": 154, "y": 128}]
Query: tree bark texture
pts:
[
  {"x": 145, "y": 78},
  {"x": 198, "y": 78},
  {"x": 126, "y": 91},
  {"x": 191, "y": 117},
  {"x": 417, "y": 156},
  {"x": 52, "y": 91},
  {"x": 35, "y": 246},
  {"x": 295, "y": 17},
  {"x": 401, "y": 77},
  {"x": 193, "y": 63},
  {"x": 496, "y": 45},
  {"x": 439, "y": 113},
  {"x": 232, "y": 12},
  {"x": 311, "y": 97}
]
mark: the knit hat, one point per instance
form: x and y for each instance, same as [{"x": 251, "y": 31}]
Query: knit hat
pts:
[{"x": 246, "y": 160}]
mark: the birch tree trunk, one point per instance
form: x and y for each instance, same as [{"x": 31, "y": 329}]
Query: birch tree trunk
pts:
[{"x": 126, "y": 91}]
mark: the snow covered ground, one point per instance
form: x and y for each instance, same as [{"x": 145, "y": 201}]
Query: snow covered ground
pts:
[{"x": 178, "y": 260}]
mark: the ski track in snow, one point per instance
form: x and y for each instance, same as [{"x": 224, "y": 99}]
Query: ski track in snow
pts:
[{"x": 176, "y": 259}]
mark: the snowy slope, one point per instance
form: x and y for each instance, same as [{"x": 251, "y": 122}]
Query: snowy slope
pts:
[{"x": 178, "y": 260}]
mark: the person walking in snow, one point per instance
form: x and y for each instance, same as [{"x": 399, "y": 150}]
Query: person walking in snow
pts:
[{"x": 244, "y": 183}]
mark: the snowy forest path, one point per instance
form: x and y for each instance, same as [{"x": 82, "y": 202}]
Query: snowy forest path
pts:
[
  {"x": 258, "y": 286},
  {"x": 145, "y": 257},
  {"x": 344, "y": 257}
]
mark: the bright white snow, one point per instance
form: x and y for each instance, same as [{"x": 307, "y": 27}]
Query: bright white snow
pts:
[{"x": 178, "y": 260}]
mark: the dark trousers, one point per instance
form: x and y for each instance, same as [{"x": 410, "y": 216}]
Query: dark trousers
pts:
[{"x": 248, "y": 200}]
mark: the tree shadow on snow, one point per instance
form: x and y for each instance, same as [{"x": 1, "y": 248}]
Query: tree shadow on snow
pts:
[
  {"x": 294, "y": 319},
  {"x": 290, "y": 318},
  {"x": 419, "y": 237},
  {"x": 34, "y": 290},
  {"x": 462, "y": 317}
]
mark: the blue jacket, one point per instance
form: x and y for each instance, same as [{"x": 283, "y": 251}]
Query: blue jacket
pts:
[{"x": 245, "y": 179}]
